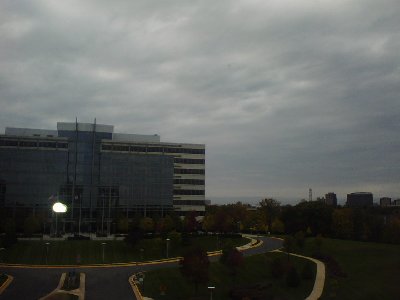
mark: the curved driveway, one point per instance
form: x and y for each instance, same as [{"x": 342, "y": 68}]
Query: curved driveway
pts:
[{"x": 101, "y": 282}]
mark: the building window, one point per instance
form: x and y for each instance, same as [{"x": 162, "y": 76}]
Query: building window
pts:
[
  {"x": 189, "y": 192},
  {"x": 189, "y": 171},
  {"x": 189, "y": 202},
  {"x": 189, "y": 161},
  {"x": 27, "y": 144},
  {"x": 189, "y": 181},
  {"x": 106, "y": 147}
]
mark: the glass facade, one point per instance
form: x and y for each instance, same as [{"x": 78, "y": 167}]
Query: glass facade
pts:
[{"x": 97, "y": 186}]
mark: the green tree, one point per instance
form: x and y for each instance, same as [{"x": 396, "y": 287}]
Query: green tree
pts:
[
  {"x": 146, "y": 224},
  {"x": 233, "y": 261},
  {"x": 10, "y": 234},
  {"x": 194, "y": 266},
  {"x": 300, "y": 239},
  {"x": 31, "y": 225},
  {"x": 288, "y": 245},
  {"x": 277, "y": 268},
  {"x": 307, "y": 272},
  {"x": 293, "y": 278},
  {"x": 318, "y": 245},
  {"x": 391, "y": 232},
  {"x": 271, "y": 209},
  {"x": 208, "y": 222},
  {"x": 134, "y": 236},
  {"x": 342, "y": 223},
  {"x": 190, "y": 223},
  {"x": 123, "y": 225},
  {"x": 278, "y": 226}
]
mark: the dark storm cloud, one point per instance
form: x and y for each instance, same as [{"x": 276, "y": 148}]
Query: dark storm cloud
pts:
[{"x": 286, "y": 94}]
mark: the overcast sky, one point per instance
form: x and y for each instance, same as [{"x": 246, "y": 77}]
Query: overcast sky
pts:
[{"x": 286, "y": 95}]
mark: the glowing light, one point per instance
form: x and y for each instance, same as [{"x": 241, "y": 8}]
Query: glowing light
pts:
[{"x": 58, "y": 207}]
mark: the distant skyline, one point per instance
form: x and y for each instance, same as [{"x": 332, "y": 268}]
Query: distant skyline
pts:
[{"x": 286, "y": 95}]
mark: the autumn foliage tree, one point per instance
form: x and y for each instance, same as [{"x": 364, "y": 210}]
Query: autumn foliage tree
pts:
[
  {"x": 232, "y": 259},
  {"x": 194, "y": 266}
]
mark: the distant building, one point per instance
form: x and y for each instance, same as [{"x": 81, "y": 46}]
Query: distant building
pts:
[
  {"x": 330, "y": 199},
  {"x": 385, "y": 201},
  {"x": 99, "y": 174},
  {"x": 396, "y": 202},
  {"x": 360, "y": 199}
]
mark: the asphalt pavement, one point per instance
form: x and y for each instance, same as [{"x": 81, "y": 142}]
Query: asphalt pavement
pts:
[{"x": 102, "y": 283}]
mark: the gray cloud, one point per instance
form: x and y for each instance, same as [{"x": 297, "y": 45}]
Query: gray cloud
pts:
[{"x": 286, "y": 94}]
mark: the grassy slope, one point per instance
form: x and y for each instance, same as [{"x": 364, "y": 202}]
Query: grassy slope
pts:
[
  {"x": 373, "y": 270},
  {"x": 66, "y": 252},
  {"x": 3, "y": 278},
  {"x": 255, "y": 270}
]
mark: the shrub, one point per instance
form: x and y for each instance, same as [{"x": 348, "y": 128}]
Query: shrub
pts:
[
  {"x": 300, "y": 239},
  {"x": 307, "y": 272},
  {"x": 277, "y": 268},
  {"x": 293, "y": 278}
]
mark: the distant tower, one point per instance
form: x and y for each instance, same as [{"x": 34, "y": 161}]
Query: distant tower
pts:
[{"x": 310, "y": 194}]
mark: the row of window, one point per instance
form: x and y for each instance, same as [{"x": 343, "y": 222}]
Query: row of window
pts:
[
  {"x": 189, "y": 171},
  {"x": 189, "y": 202},
  {"x": 189, "y": 181},
  {"x": 33, "y": 144},
  {"x": 150, "y": 149},
  {"x": 189, "y": 161},
  {"x": 185, "y": 213},
  {"x": 189, "y": 192}
]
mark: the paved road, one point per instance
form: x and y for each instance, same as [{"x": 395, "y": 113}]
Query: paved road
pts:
[{"x": 101, "y": 283}]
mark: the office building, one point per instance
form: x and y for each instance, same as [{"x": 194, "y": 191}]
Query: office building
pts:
[
  {"x": 330, "y": 199},
  {"x": 396, "y": 202},
  {"x": 385, "y": 201},
  {"x": 360, "y": 199},
  {"x": 100, "y": 175}
]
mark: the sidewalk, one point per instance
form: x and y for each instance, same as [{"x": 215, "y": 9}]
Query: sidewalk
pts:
[{"x": 319, "y": 283}]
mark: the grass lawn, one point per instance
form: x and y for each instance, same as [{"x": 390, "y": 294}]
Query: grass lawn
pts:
[
  {"x": 90, "y": 252},
  {"x": 3, "y": 278},
  {"x": 256, "y": 270},
  {"x": 373, "y": 270}
]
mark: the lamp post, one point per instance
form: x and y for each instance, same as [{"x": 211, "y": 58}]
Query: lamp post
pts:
[
  {"x": 2, "y": 249},
  {"x": 167, "y": 245},
  {"x": 47, "y": 252},
  {"x": 141, "y": 253},
  {"x": 103, "y": 246},
  {"x": 59, "y": 207},
  {"x": 211, "y": 291}
]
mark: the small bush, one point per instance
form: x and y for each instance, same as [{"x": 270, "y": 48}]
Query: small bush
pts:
[
  {"x": 307, "y": 272},
  {"x": 277, "y": 268},
  {"x": 293, "y": 278},
  {"x": 300, "y": 239}
]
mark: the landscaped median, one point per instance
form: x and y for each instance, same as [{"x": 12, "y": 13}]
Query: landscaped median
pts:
[
  {"x": 70, "y": 287},
  {"x": 254, "y": 279},
  {"x": 69, "y": 253},
  {"x": 5, "y": 281}
]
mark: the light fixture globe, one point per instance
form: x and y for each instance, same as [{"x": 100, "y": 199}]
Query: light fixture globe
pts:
[{"x": 59, "y": 207}]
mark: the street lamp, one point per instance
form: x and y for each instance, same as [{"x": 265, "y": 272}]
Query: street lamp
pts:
[
  {"x": 211, "y": 291},
  {"x": 103, "y": 246},
  {"x": 167, "y": 245},
  {"x": 59, "y": 207},
  {"x": 141, "y": 253},
  {"x": 47, "y": 251},
  {"x": 2, "y": 249}
]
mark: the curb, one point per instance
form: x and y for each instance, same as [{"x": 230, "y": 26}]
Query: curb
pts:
[
  {"x": 6, "y": 283},
  {"x": 319, "y": 282},
  {"x": 135, "y": 288},
  {"x": 252, "y": 244},
  {"x": 80, "y": 292}
]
